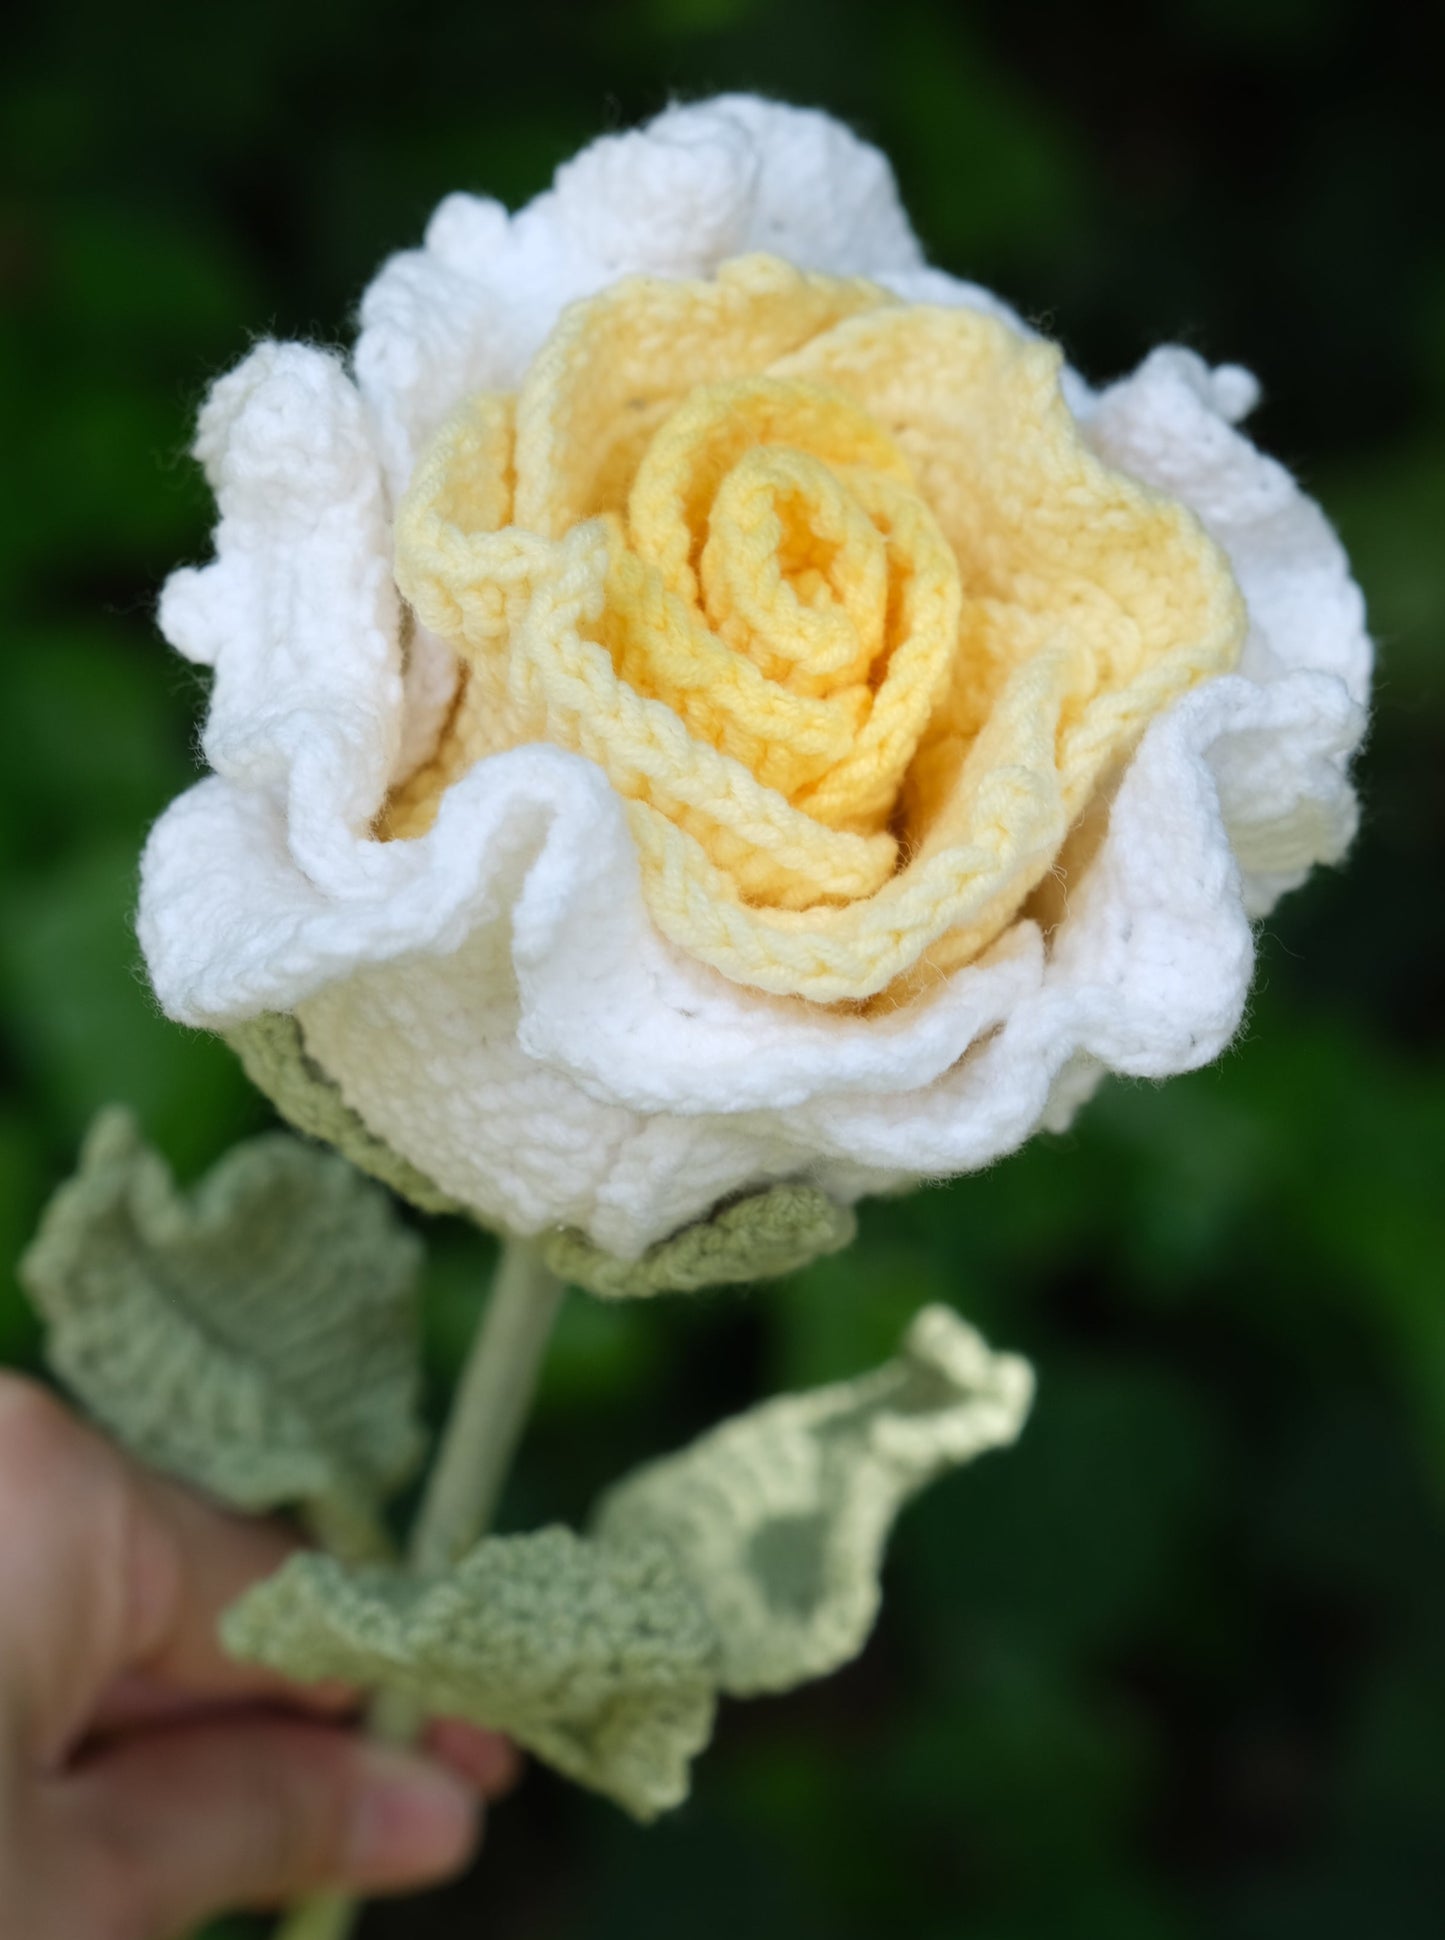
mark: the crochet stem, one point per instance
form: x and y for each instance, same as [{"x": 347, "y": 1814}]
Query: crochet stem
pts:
[
  {"x": 488, "y": 1414},
  {"x": 327, "y": 1917},
  {"x": 493, "y": 1400}
]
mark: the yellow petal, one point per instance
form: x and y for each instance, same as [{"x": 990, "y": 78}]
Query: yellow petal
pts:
[
  {"x": 619, "y": 362},
  {"x": 834, "y": 593}
]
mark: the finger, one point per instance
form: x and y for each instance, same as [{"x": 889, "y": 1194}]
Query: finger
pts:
[
  {"x": 81, "y": 1575},
  {"x": 108, "y": 1570},
  {"x": 486, "y": 1759},
  {"x": 136, "y": 1699},
  {"x": 213, "y": 1556},
  {"x": 184, "y": 1822}
]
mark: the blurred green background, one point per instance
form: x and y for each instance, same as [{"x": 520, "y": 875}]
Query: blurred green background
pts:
[{"x": 1176, "y": 1666}]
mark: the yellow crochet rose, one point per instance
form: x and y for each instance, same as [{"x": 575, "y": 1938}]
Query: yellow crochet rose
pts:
[{"x": 830, "y": 588}]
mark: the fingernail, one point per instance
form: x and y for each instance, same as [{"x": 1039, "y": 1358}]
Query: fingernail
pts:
[{"x": 412, "y": 1821}]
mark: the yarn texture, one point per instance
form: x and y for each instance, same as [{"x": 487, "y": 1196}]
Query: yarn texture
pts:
[
  {"x": 746, "y": 1563},
  {"x": 273, "y": 1056},
  {"x": 259, "y": 1337},
  {"x": 779, "y": 1518},
  {"x": 706, "y": 700},
  {"x": 854, "y": 638},
  {"x": 760, "y": 1237},
  {"x": 599, "y": 1660}
]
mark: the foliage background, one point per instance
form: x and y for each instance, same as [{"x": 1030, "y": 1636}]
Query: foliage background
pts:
[{"x": 1174, "y": 1667}]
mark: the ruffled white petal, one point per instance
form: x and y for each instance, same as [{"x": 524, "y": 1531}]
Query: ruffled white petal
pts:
[
  {"x": 1287, "y": 800},
  {"x": 492, "y": 997},
  {"x": 469, "y": 310},
  {"x": 298, "y": 614}
]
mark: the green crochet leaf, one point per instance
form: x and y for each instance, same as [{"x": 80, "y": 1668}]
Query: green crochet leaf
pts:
[
  {"x": 274, "y": 1056},
  {"x": 258, "y": 1338},
  {"x": 778, "y": 1518},
  {"x": 596, "y": 1658},
  {"x": 758, "y": 1238},
  {"x": 747, "y": 1563}
]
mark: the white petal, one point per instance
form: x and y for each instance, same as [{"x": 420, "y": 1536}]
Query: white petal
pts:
[
  {"x": 1286, "y": 790},
  {"x": 1171, "y": 424},
  {"x": 298, "y": 614},
  {"x": 925, "y": 284},
  {"x": 698, "y": 184},
  {"x": 426, "y": 1050},
  {"x": 672, "y": 199},
  {"x": 824, "y": 199}
]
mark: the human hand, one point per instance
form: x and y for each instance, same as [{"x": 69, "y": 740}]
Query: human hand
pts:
[{"x": 146, "y": 1781}]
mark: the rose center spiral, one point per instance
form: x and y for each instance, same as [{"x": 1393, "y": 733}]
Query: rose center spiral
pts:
[{"x": 790, "y": 541}]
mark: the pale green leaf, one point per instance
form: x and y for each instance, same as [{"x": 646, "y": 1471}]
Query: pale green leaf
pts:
[
  {"x": 258, "y": 1338},
  {"x": 757, "y": 1238},
  {"x": 779, "y": 1518},
  {"x": 747, "y": 1563},
  {"x": 595, "y": 1657}
]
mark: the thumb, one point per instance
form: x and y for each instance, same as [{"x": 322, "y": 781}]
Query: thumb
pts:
[{"x": 176, "y": 1824}]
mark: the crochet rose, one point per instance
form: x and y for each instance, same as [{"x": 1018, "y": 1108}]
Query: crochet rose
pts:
[{"x": 713, "y": 701}]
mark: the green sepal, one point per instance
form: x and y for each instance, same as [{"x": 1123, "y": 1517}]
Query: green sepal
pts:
[
  {"x": 759, "y": 1237},
  {"x": 779, "y": 1517},
  {"x": 596, "y": 1658},
  {"x": 274, "y": 1057},
  {"x": 258, "y": 1338}
]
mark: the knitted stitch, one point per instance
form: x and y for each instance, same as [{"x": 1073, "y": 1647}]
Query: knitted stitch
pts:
[
  {"x": 598, "y": 1660},
  {"x": 832, "y": 592},
  {"x": 257, "y": 1337},
  {"x": 747, "y": 1562},
  {"x": 780, "y": 1517},
  {"x": 759, "y": 1237},
  {"x": 273, "y": 1055},
  {"x": 524, "y": 1001}
]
